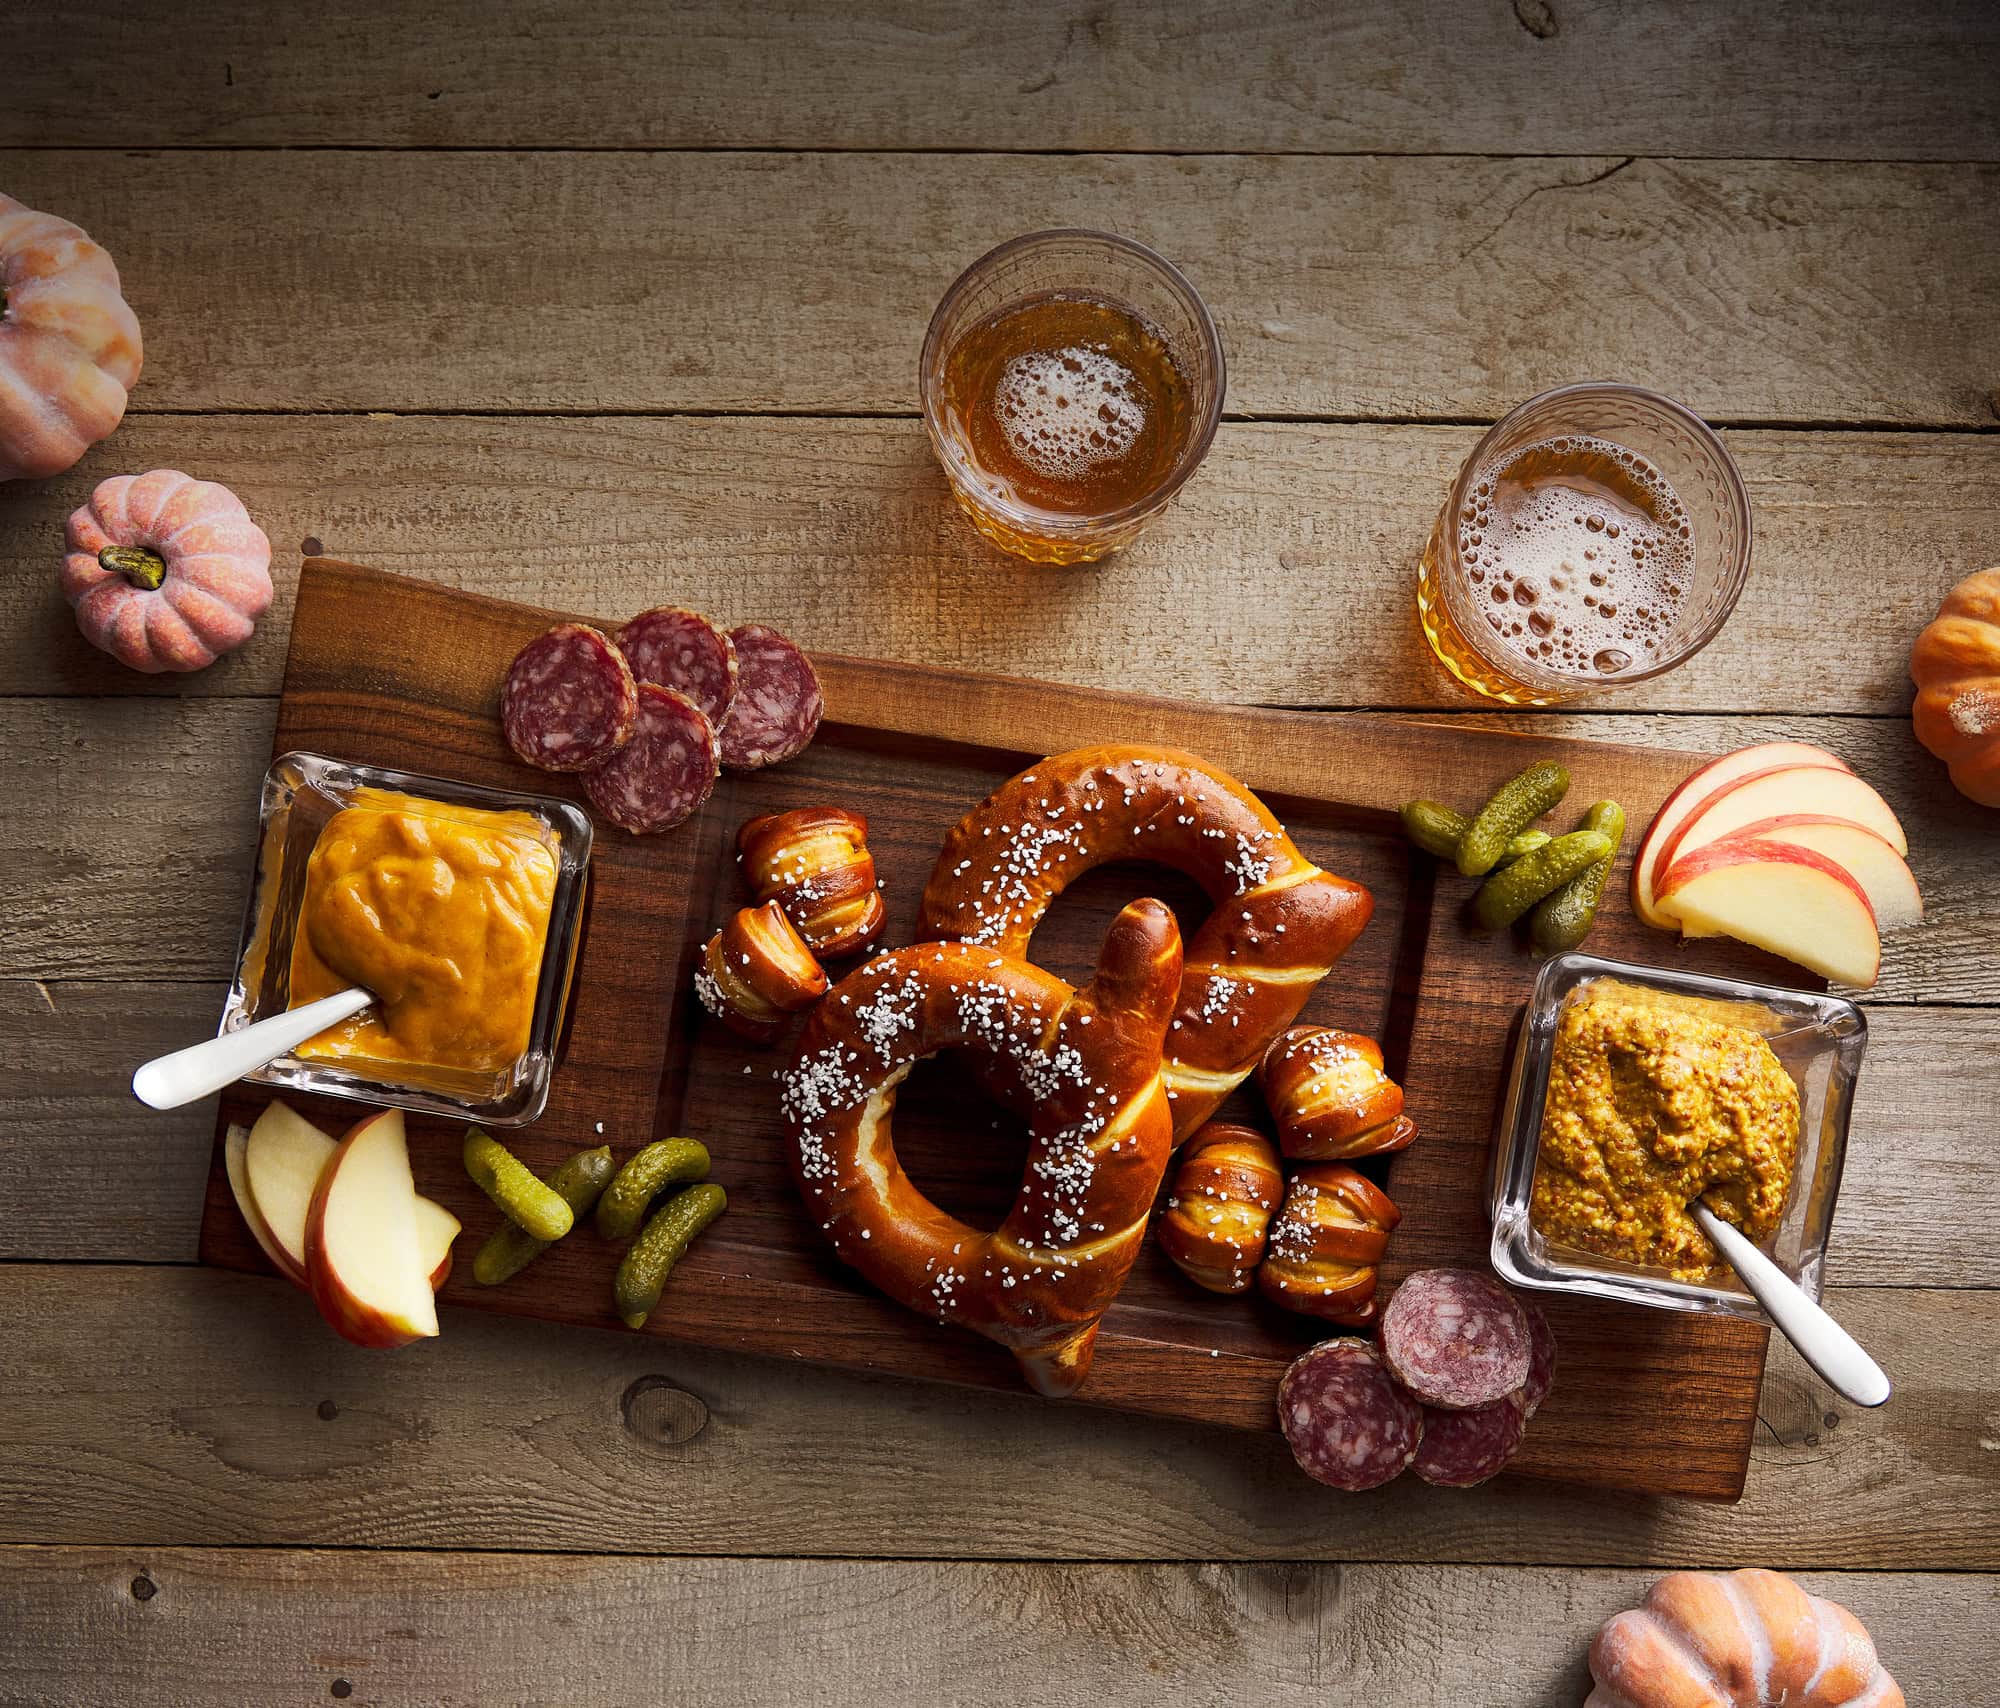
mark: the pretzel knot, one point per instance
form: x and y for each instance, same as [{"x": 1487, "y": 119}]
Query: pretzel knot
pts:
[
  {"x": 1082, "y": 1066},
  {"x": 1279, "y": 922}
]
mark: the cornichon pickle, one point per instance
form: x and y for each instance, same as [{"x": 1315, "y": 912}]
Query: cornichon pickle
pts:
[
  {"x": 1563, "y": 919},
  {"x": 511, "y": 1248},
  {"x": 1515, "y": 805},
  {"x": 1505, "y": 896},
  {"x": 1436, "y": 829},
  {"x": 512, "y": 1185},
  {"x": 663, "y": 1163},
  {"x": 651, "y": 1257}
]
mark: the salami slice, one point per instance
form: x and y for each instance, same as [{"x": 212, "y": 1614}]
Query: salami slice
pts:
[
  {"x": 777, "y": 706},
  {"x": 1349, "y": 1426},
  {"x": 1464, "y": 1448},
  {"x": 1456, "y": 1338},
  {"x": 684, "y": 650},
  {"x": 1541, "y": 1358},
  {"x": 664, "y": 772},
  {"x": 569, "y": 701}
]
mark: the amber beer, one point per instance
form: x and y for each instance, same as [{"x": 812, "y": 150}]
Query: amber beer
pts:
[
  {"x": 1066, "y": 406},
  {"x": 1071, "y": 383},
  {"x": 1565, "y": 560}
]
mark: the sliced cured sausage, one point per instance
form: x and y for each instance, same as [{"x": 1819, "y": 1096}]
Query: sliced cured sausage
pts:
[
  {"x": 684, "y": 650},
  {"x": 778, "y": 704},
  {"x": 664, "y": 772},
  {"x": 1463, "y": 1448},
  {"x": 1541, "y": 1358},
  {"x": 569, "y": 700},
  {"x": 1348, "y": 1424},
  {"x": 1456, "y": 1338}
]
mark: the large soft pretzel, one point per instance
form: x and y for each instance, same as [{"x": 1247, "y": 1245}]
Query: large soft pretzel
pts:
[
  {"x": 1083, "y": 1067},
  {"x": 1278, "y": 925}
]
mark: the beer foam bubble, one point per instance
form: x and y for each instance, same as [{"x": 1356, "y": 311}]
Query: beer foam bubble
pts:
[
  {"x": 1066, "y": 411},
  {"x": 1586, "y": 576}
]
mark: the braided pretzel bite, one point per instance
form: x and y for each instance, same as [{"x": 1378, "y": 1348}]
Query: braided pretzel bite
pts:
[
  {"x": 1225, "y": 1187},
  {"x": 815, "y": 864},
  {"x": 1330, "y": 1097},
  {"x": 756, "y": 971},
  {"x": 1082, "y": 1066},
  {"x": 1278, "y": 926},
  {"x": 1326, "y": 1243}
]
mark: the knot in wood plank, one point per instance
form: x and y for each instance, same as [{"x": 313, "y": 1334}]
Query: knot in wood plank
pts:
[
  {"x": 1538, "y": 18},
  {"x": 658, "y": 1412}
]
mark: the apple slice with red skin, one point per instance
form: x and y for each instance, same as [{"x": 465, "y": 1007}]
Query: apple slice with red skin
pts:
[
  {"x": 1815, "y": 791},
  {"x": 290, "y": 1156},
  {"x": 284, "y": 1157},
  {"x": 437, "y": 1227},
  {"x": 1881, "y": 872},
  {"x": 1716, "y": 775},
  {"x": 365, "y": 1264},
  {"x": 1793, "y": 901},
  {"x": 235, "y": 1145}
]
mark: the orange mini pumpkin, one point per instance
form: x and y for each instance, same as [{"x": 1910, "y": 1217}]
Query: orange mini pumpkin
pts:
[
  {"x": 1956, "y": 667},
  {"x": 69, "y": 345},
  {"x": 1753, "y": 1639}
]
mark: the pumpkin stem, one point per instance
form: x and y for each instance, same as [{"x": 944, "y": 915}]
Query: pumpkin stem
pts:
[{"x": 143, "y": 568}]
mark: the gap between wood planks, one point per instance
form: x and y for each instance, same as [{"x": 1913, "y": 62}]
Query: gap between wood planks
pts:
[
  {"x": 1273, "y": 417},
  {"x": 140, "y": 1551},
  {"x": 1045, "y": 153}
]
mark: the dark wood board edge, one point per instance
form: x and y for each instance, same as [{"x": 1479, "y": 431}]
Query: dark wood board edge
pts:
[{"x": 1282, "y": 753}]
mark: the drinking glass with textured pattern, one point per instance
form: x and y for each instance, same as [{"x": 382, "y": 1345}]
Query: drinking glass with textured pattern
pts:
[
  {"x": 1071, "y": 383},
  {"x": 1597, "y": 536}
]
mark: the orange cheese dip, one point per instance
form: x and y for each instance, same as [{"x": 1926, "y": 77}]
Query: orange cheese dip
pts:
[{"x": 441, "y": 911}]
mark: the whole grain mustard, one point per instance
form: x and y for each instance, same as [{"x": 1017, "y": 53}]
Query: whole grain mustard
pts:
[{"x": 1650, "y": 1106}]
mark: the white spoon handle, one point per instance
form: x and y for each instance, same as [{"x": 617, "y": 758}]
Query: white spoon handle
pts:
[
  {"x": 1821, "y": 1341},
  {"x": 169, "y": 1081}
]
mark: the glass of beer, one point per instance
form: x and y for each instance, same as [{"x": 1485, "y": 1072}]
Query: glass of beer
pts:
[
  {"x": 1071, "y": 384},
  {"x": 1597, "y": 536}
]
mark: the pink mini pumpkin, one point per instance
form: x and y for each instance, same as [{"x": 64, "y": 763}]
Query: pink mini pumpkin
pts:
[
  {"x": 69, "y": 345},
  {"x": 166, "y": 572}
]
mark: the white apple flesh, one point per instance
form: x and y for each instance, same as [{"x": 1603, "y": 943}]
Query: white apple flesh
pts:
[
  {"x": 235, "y": 1147},
  {"x": 1790, "y": 900},
  {"x": 1712, "y": 777},
  {"x": 284, "y": 1157},
  {"x": 1810, "y": 791},
  {"x": 1881, "y": 872},
  {"x": 365, "y": 1264},
  {"x": 437, "y": 1227}
]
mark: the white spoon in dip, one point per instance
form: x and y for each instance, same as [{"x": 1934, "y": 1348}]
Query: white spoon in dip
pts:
[
  {"x": 167, "y": 1082},
  {"x": 1834, "y": 1353}
]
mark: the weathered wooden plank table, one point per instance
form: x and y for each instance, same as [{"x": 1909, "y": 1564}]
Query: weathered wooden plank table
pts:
[{"x": 586, "y": 305}]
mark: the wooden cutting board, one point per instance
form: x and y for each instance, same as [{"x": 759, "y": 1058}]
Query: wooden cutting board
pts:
[{"x": 397, "y": 672}]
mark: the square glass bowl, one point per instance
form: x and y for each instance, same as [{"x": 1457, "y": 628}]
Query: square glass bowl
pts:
[
  {"x": 302, "y": 791},
  {"x": 1818, "y": 1040}
]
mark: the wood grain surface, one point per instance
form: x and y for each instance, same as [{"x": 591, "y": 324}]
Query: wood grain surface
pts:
[
  {"x": 391, "y": 671},
  {"x": 1841, "y": 79},
  {"x": 1283, "y": 577},
  {"x": 860, "y": 1632},
  {"x": 212, "y": 1408},
  {"x": 1434, "y": 288},
  {"x": 421, "y": 284},
  {"x": 161, "y": 773},
  {"x": 89, "y": 1177}
]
